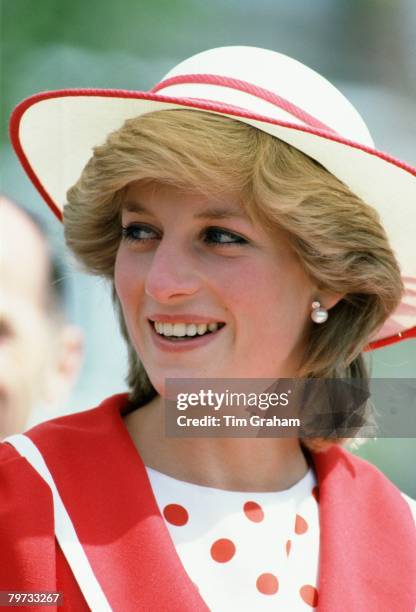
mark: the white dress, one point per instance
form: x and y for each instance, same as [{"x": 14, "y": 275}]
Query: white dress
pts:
[{"x": 245, "y": 551}]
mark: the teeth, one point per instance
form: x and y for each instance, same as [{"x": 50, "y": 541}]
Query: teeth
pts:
[
  {"x": 191, "y": 329},
  {"x": 179, "y": 329},
  {"x": 184, "y": 329},
  {"x": 165, "y": 328}
]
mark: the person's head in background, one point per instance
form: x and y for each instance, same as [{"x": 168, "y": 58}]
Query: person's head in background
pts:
[{"x": 40, "y": 353}]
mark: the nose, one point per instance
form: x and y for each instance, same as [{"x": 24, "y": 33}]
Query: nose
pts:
[{"x": 172, "y": 274}]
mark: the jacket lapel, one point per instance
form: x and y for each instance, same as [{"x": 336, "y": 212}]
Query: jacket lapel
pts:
[
  {"x": 105, "y": 489},
  {"x": 367, "y": 538}
]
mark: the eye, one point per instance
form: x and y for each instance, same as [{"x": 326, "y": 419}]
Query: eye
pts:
[
  {"x": 138, "y": 233},
  {"x": 216, "y": 235}
]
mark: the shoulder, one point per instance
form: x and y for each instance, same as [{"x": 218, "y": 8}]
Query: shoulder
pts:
[
  {"x": 84, "y": 425},
  {"x": 359, "y": 479},
  {"x": 49, "y": 435},
  {"x": 78, "y": 421},
  {"x": 16, "y": 477},
  {"x": 64, "y": 442},
  {"x": 338, "y": 460},
  {"x": 373, "y": 473},
  {"x": 27, "y": 537}
]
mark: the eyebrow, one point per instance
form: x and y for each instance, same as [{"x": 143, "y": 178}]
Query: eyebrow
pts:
[{"x": 209, "y": 213}]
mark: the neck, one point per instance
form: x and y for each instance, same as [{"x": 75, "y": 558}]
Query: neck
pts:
[{"x": 240, "y": 464}]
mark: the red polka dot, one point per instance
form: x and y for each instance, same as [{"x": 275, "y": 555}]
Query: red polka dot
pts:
[
  {"x": 288, "y": 547},
  {"x": 309, "y": 595},
  {"x": 315, "y": 493},
  {"x": 222, "y": 550},
  {"x": 267, "y": 584},
  {"x": 253, "y": 511},
  {"x": 300, "y": 525},
  {"x": 176, "y": 514}
]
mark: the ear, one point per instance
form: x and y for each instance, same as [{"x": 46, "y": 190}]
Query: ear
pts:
[
  {"x": 329, "y": 299},
  {"x": 68, "y": 357}
]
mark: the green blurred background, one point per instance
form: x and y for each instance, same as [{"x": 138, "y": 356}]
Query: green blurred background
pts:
[{"x": 366, "y": 47}]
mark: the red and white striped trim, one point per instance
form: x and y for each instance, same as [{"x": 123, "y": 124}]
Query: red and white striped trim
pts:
[{"x": 64, "y": 528}]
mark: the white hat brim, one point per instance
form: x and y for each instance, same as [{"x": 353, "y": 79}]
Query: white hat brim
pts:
[{"x": 54, "y": 133}]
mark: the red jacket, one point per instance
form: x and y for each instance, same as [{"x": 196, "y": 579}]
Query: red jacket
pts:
[{"x": 367, "y": 533}]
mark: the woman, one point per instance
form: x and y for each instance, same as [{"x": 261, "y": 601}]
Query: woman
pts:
[{"x": 250, "y": 240}]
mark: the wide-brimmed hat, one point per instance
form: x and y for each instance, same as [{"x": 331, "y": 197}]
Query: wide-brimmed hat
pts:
[{"x": 54, "y": 133}]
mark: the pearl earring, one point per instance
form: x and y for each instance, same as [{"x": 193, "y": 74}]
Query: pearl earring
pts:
[{"x": 319, "y": 314}]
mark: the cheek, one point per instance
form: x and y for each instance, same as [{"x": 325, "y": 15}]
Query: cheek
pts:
[
  {"x": 234, "y": 288},
  {"x": 270, "y": 299},
  {"x": 253, "y": 288},
  {"x": 127, "y": 278}
]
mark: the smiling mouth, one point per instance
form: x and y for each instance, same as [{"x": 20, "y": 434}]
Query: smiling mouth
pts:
[{"x": 184, "y": 332}]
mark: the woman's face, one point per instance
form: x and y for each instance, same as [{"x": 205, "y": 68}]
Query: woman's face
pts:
[{"x": 186, "y": 262}]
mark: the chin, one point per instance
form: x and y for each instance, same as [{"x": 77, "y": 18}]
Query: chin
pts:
[{"x": 162, "y": 386}]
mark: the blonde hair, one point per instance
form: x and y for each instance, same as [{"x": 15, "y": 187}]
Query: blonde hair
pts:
[{"x": 338, "y": 238}]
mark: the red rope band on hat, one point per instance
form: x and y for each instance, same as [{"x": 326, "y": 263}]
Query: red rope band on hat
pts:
[{"x": 246, "y": 87}]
